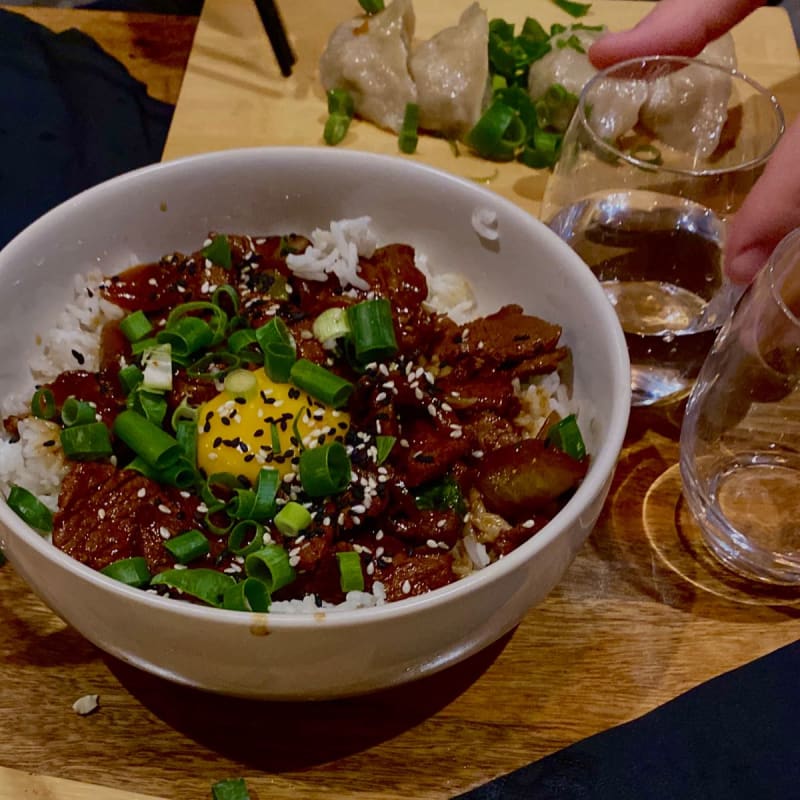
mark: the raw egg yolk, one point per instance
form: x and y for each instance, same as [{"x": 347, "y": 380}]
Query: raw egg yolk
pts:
[{"x": 241, "y": 435}]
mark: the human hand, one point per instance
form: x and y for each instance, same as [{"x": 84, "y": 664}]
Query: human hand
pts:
[{"x": 772, "y": 209}]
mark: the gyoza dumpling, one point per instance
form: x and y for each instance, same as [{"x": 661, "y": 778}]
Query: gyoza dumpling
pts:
[
  {"x": 451, "y": 72},
  {"x": 368, "y": 56},
  {"x": 687, "y": 109}
]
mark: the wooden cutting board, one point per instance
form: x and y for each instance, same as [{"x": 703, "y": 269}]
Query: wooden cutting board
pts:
[
  {"x": 17, "y": 785},
  {"x": 233, "y": 94}
]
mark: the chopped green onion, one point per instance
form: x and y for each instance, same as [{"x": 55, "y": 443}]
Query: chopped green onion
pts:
[
  {"x": 186, "y": 437},
  {"x": 188, "y": 546},
  {"x": 533, "y": 31},
  {"x": 147, "y": 440},
  {"x": 241, "y": 383},
  {"x": 275, "y": 435},
  {"x": 279, "y": 359},
  {"x": 320, "y": 383},
  {"x": 351, "y": 578},
  {"x": 270, "y": 565},
  {"x": 77, "y": 412},
  {"x": 572, "y": 8},
  {"x": 157, "y": 367},
  {"x": 207, "y": 585},
  {"x": 571, "y": 41},
  {"x": 137, "y": 348},
  {"x": 135, "y": 326},
  {"x": 213, "y": 366},
  {"x": 30, "y": 508},
  {"x": 240, "y": 506},
  {"x": 557, "y": 28},
  {"x": 223, "y": 293},
  {"x": 340, "y": 113},
  {"x": 274, "y": 331},
  {"x": 566, "y": 436},
  {"x": 324, "y": 470},
  {"x": 231, "y": 788},
  {"x": 225, "y": 481},
  {"x": 218, "y": 252},
  {"x": 250, "y": 594},
  {"x": 246, "y": 537},
  {"x": 409, "y": 135},
  {"x": 151, "y": 405},
  {"x": 371, "y": 6},
  {"x": 187, "y": 335},
  {"x": 131, "y": 571},
  {"x": 330, "y": 325},
  {"x": 184, "y": 412},
  {"x": 292, "y": 519},
  {"x": 442, "y": 495},
  {"x": 336, "y": 127},
  {"x": 217, "y": 318},
  {"x": 244, "y": 344},
  {"x": 372, "y": 330},
  {"x": 384, "y": 445},
  {"x": 43, "y": 404},
  {"x": 498, "y": 133},
  {"x": 130, "y": 377},
  {"x": 266, "y": 488},
  {"x": 86, "y": 442},
  {"x": 181, "y": 473}
]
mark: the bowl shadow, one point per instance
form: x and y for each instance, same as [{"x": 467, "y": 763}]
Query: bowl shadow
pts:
[{"x": 286, "y": 736}]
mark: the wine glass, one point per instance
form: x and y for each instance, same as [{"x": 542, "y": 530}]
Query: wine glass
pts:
[{"x": 660, "y": 153}]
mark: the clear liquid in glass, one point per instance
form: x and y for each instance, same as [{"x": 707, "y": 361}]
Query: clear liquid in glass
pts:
[{"x": 659, "y": 260}]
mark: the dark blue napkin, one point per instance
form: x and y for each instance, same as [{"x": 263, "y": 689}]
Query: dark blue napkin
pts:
[
  {"x": 736, "y": 737},
  {"x": 71, "y": 116}
]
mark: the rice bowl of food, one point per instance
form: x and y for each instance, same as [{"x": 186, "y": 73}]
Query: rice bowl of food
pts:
[{"x": 300, "y": 423}]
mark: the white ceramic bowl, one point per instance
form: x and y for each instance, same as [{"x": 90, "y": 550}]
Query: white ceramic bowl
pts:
[{"x": 143, "y": 215}]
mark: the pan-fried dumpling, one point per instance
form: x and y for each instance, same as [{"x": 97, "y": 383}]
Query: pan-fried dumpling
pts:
[
  {"x": 692, "y": 94},
  {"x": 368, "y": 56},
  {"x": 451, "y": 72}
]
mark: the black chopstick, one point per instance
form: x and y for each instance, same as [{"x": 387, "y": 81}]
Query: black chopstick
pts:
[{"x": 273, "y": 25}]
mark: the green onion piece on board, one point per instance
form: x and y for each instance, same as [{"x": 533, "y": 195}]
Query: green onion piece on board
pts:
[
  {"x": 230, "y": 789},
  {"x": 320, "y": 383},
  {"x": 409, "y": 131},
  {"x": 572, "y": 8},
  {"x": 43, "y": 404},
  {"x": 330, "y": 325},
  {"x": 86, "y": 442},
  {"x": 77, "y": 412},
  {"x": 279, "y": 358},
  {"x": 135, "y": 326},
  {"x": 372, "y": 330},
  {"x": 30, "y": 508},
  {"x": 566, "y": 436},
  {"x": 188, "y": 546},
  {"x": 147, "y": 440},
  {"x": 340, "y": 113},
  {"x": 130, "y": 571},
  {"x": 250, "y": 594},
  {"x": 351, "y": 577},
  {"x": 292, "y": 519},
  {"x": 371, "y": 6},
  {"x": 324, "y": 470},
  {"x": 271, "y": 566},
  {"x": 130, "y": 377},
  {"x": 218, "y": 251},
  {"x": 498, "y": 134},
  {"x": 207, "y": 585},
  {"x": 246, "y": 537}
]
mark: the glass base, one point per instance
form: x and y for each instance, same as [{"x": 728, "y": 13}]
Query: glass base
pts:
[{"x": 652, "y": 385}]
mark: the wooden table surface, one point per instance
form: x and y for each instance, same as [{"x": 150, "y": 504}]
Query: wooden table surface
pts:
[{"x": 642, "y": 615}]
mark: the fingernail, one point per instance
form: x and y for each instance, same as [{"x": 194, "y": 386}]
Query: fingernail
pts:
[{"x": 744, "y": 267}]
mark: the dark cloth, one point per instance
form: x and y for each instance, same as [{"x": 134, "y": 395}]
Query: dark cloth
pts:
[
  {"x": 734, "y": 737},
  {"x": 71, "y": 116}
]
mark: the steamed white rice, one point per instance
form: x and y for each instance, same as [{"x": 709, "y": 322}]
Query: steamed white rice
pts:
[{"x": 36, "y": 461}]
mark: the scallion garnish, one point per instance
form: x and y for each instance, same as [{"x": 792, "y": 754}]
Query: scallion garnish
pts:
[
  {"x": 246, "y": 537},
  {"x": 135, "y": 326},
  {"x": 188, "y": 546},
  {"x": 213, "y": 366},
  {"x": 320, "y": 383},
  {"x": 147, "y": 440},
  {"x": 130, "y": 376},
  {"x": 383, "y": 445},
  {"x": 324, "y": 470},
  {"x": 331, "y": 325},
  {"x": 218, "y": 251},
  {"x": 181, "y": 473},
  {"x": 498, "y": 134},
  {"x": 241, "y": 383},
  {"x": 232, "y": 788},
  {"x": 372, "y": 330},
  {"x": 292, "y": 519},
  {"x": 270, "y": 565},
  {"x": 265, "y": 490},
  {"x": 572, "y": 8},
  {"x": 186, "y": 336},
  {"x": 351, "y": 577},
  {"x": 157, "y": 367},
  {"x": 371, "y": 6},
  {"x": 409, "y": 132},
  {"x": 77, "y": 412},
  {"x": 279, "y": 358},
  {"x": 131, "y": 571},
  {"x": 566, "y": 436},
  {"x": 30, "y": 508},
  {"x": 250, "y": 594},
  {"x": 207, "y": 585},
  {"x": 88, "y": 442},
  {"x": 43, "y": 404},
  {"x": 340, "y": 114},
  {"x": 151, "y": 405},
  {"x": 217, "y": 318}
]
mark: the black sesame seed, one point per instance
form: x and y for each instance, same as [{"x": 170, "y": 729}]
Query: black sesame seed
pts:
[{"x": 79, "y": 357}]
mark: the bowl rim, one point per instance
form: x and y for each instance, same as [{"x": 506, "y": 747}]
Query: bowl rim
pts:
[{"x": 600, "y": 471}]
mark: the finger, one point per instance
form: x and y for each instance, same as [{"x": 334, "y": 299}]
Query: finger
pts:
[
  {"x": 770, "y": 211},
  {"x": 673, "y": 27}
]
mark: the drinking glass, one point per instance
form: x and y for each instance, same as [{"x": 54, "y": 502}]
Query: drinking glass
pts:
[
  {"x": 659, "y": 154},
  {"x": 740, "y": 438}
]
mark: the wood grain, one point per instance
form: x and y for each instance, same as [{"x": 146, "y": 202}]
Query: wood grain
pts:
[{"x": 642, "y": 615}]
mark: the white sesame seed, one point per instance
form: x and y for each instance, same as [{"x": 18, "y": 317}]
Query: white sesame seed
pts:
[
  {"x": 529, "y": 523},
  {"x": 164, "y": 533},
  {"x": 141, "y": 493},
  {"x": 406, "y": 587},
  {"x": 432, "y": 543},
  {"x": 164, "y": 509},
  {"x": 101, "y": 513}
]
